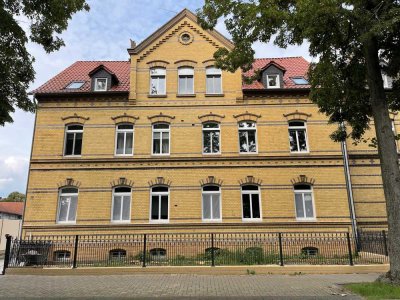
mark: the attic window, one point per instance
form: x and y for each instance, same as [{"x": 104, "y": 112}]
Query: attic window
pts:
[
  {"x": 299, "y": 80},
  {"x": 273, "y": 81},
  {"x": 74, "y": 85},
  {"x": 100, "y": 84}
]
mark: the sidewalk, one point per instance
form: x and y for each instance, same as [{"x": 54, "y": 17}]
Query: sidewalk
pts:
[{"x": 182, "y": 286}]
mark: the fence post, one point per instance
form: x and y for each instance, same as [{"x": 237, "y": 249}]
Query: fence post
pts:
[
  {"x": 280, "y": 249},
  {"x": 212, "y": 251},
  {"x": 349, "y": 247},
  {"x": 7, "y": 253},
  {"x": 75, "y": 252},
  {"x": 385, "y": 243},
  {"x": 144, "y": 249}
]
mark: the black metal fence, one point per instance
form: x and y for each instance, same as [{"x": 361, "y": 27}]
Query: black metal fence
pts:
[{"x": 197, "y": 249}]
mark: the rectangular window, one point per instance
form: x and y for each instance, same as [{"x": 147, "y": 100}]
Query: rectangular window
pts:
[
  {"x": 185, "y": 81},
  {"x": 298, "y": 136},
  {"x": 157, "y": 81},
  {"x": 161, "y": 139},
  {"x": 67, "y": 205},
  {"x": 213, "y": 81},
  {"x": 159, "y": 204},
  {"x": 121, "y": 208},
  {"x": 211, "y": 138},
  {"x": 73, "y": 140},
  {"x": 100, "y": 84},
  {"x": 124, "y": 139},
  {"x": 304, "y": 204},
  {"x": 273, "y": 81},
  {"x": 251, "y": 203},
  {"x": 247, "y": 137},
  {"x": 211, "y": 203}
]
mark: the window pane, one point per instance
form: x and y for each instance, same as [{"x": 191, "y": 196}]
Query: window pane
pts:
[
  {"x": 154, "y": 207},
  {"x": 75, "y": 127},
  {"x": 293, "y": 140},
  {"x": 207, "y": 141},
  {"x": 182, "y": 85},
  {"x": 161, "y": 85},
  {"x": 161, "y": 126},
  {"x": 120, "y": 143},
  {"x": 246, "y": 206},
  {"x": 299, "y": 205},
  {"x": 69, "y": 190},
  {"x": 255, "y": 205},
  {"x": 126, "y": 208},
  {"x": 122, "y": 190},
  {"x": 78, "y": 143},
  {"x": 252, "y": 140},
  {"x": 69, "y": 144},
  {"x": 165, "y": 142},
  {"x": 117, "y": 208},
  {"x": 210, "y": 85},
  {"x": 63, "y": 208},
  {"x": 244, "y": 147},
  {"x": 215, "y": 141},
  {"x": 296, "y": 124},
  {"x": 72, "y": 208},
  {"x": 129, "y": 143},
  {"x": 156, "y": 143},
  {"x": 164, "y": 207},
  {"x": 308, "y": 205},
  {"x": 160, "y": 189},
  {"x": 250, "y": 188},
  {"x": 217, "y": 85},
  {"x": 211, "y": 125},
  {"x": 272, "y": 80},
  {"x": 211, "y": 188},
  {"x": 302, "y": 140},
  {"x": 125, "y": 126},
  {"x": 206, "y": 206},
  {"x": 247, "y": 125},
  {"x": 215, "y": 207},
  {"x": 190, "y": 85}
]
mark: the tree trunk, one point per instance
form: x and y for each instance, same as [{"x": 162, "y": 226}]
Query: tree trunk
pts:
[{"x": 388, "y": 156}]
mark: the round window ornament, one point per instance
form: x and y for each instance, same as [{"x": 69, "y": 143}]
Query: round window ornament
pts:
[{"x": 185, "y": 38}]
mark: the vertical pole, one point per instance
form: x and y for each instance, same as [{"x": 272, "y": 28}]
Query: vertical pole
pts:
[
  {"x": 212, "y": 251},
  {"x": 280, "y": 249},
  {"x": 385, "y": 243},
  {"x": 75, "y": 251},
  {"x": 144, "y": 250},
  {"x": 349, "y": 247},
  {"x": 7, "y": 254}
]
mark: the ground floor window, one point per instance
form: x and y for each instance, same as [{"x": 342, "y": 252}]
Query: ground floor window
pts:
[
  {"x": 62, "y": 255},
  {"x": 117, "y": 254},
  {"x": 251, "y": 205}
]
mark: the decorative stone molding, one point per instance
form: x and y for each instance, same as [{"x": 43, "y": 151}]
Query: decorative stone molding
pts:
[
  {"x": 211, "y": 180},
  {"x": 209, "y": 63},
  {"x": 159, "y": 181},
  {"x": 185, "y": 63},
  {"x": 302, "y": 179},
  {"x": 211, "y": 118},
  {"x": 158, "y": 63},
  {"x": 297, "y": 115},
  {"x": 247, "y": 117},
  {"x": 185, "y": 38},
  {"x": 69, "y": 182},
  {"x": 160, "y": 118},
  {"x": 122, "y": 181},
  {"x": 250, "y": 180},
  {"x": 74, "y": 119},
  {"x": 125, "y": 119}
]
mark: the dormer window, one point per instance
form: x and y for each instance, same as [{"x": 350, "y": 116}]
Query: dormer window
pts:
[
  {"x": 273, "y": 81},
  {"x": 74, "y": 85},
  {"x": 100, "y": 85}
]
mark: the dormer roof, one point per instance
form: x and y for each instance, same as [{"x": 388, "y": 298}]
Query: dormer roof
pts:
[{"x": 103, "y": 67}]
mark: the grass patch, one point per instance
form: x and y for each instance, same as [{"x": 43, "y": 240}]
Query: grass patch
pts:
[{"x": 375, "y": 290}]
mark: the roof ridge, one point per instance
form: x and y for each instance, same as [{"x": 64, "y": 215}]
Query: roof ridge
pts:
[
  {"x": 101, "y": 61},
  {"x": 283, "y": 57}
]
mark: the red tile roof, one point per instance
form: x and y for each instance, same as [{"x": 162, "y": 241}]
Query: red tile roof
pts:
[
  {"x": 16, "y": 208},
  {"x": 79, "y": 71},
  {"x": 294, "y": 66}
]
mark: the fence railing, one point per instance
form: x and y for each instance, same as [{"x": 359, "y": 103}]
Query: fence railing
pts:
[{"x": 197, "y": 249}]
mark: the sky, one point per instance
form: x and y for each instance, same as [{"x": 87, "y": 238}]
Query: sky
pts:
[{"x": 103, "y": 33}]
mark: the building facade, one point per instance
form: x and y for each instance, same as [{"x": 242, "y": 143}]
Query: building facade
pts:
[{"x": 166, "y": 142}]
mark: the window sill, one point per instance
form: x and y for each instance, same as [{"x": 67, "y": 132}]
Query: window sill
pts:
[
  {"x": 248, "y": 153},
  {"x": 252, "y": 220},
  {"x": 306, "y": 220},
  {"x": 211, "y": 154},
  {"x": 120, "y": 222},
  {"x": 214, "y": 95},
  {"x": 300, "y": 153},
  {"x": 156, "y": 96},
  {"x": 159, "y": 221},
  {"x": 72, "y": 156},
  {"x": 185, "y": 95},
  {"x": 66, "y": 223},
  {"x": 123, "y": 155},
  {"x": 212, "y": 221}
]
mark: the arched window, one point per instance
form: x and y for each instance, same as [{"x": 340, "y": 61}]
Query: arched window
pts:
[
  {"x": 62, "y": 255},
  {"x": 117, "y": 254},
  {"x": 213, "y": 82},
  {"x": 251, "y": 203},
  {"x": 185, "y": 81},
  {"x": 157, "y": 81},
  {"x": 124, "y": 139},
  {"x": 67, "y": 205},
  {"x": 161, "y": 136},
  {"x": 73, "y": 140},
  {"x": 304, "y": 201},
  {"x": 211, "y": 138},
  {"x": 121, "y": 205},
  {"x": 298, "y": 136},
  {"x": 211, "y": 203},
  {"x": 247, "y": 137},
  {"x": 159, "y": 204},
  {"x": 310, "y": 251},
  {"x": 158, "y": 253}
]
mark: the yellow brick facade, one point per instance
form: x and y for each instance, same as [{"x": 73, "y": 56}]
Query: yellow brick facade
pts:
[{"x": 273, "y": 167}]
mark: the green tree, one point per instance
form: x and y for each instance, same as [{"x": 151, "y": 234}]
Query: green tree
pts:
[
  {"x": 355, "y": 41},
  {"x": 15, "y": 197},
  {"x": 45, "y": 19}
]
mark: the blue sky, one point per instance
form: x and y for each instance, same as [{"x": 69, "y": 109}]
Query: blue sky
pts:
[{"x": 101, "y": 34}]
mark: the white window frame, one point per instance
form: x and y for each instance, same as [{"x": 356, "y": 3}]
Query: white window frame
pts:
[
  {"x": 219, "y": 193},
  {"x": 122, "y": 194},
  {"x": 251, "y": 192},
  {"x": 247, "y": 137},
  {"x": 64, "y": 258},
  {"x": 304, "y": 127},
  {"x": 385, "y": 80},
  {"x": 213, "y": 71},
  {"x": 182, "y": 70},
  {"x": 95, "y": 84},
  {"x": 74, "y": 131},
  {"x": 60, "y": 194},
  {"x": 159, "y": 76},
  {"x": 277, "y": 81},
  {"x": 159, "y": 194},
  {"x": 302, "y": 192},
  {"x": 211, "y": 129},
  {"x": 161, "y": 130},
  {"x": 125, "y": 132}
]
